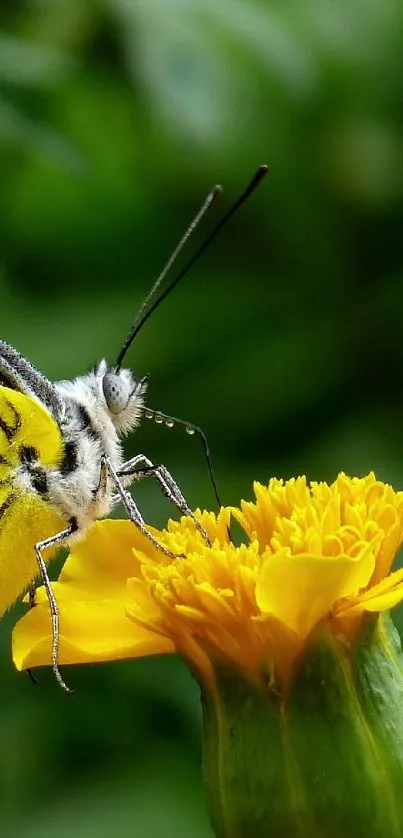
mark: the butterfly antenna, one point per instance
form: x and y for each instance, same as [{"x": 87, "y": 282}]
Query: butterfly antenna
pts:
[
  {"x": 144, "y": 312},
  {"x": 191, "y": 429},
  {"x": 215, "y": 192},
  {"x": 143, "y": 315}
]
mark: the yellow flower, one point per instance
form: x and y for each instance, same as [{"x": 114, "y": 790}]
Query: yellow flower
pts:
[{"x": 312, "y": 556}]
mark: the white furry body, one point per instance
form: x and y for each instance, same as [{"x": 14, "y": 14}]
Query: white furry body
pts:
[{"x": 89, "y": 430}]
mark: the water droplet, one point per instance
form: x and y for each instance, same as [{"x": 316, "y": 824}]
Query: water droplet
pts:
[
  {"x": 148, "y": 414},
  {"x": 158, "y": 418},
  {"x": 169, "y": 423},
  {"x": 189, "y": 430}
]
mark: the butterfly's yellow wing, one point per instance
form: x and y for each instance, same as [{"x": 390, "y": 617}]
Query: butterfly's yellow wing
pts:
[{"x": 25, "y": 518}]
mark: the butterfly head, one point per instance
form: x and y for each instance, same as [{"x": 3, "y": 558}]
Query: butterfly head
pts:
[{"x": 122, "y": 394}]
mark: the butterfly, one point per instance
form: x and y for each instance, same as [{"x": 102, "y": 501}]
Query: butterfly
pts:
[
  {"x": 62, "y": 464},
  {"x": 62, "y": 467}
]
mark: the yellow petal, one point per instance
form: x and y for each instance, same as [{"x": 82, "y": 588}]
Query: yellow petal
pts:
[
  {"x": 381, "y": 597},
  {"x": 100, "y": 566},
  {"x": 301, "y": 590},
  {"x": 142, "y": 607},
  {"x": 89, "y": 632}
]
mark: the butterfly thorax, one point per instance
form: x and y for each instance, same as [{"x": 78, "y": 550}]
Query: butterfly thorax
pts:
[{"x": 88, "y": 429}]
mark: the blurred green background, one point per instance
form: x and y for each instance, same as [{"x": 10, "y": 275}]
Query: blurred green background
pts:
[{"x": 284, "y": 343}]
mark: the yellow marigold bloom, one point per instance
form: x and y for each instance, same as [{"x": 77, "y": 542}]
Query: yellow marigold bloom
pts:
[
  {"x": 302, "y": 694},
  {"x": 312, "y": 555}
]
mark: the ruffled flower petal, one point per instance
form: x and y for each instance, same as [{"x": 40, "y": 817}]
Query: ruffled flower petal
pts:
[
  {"x": 90, "y": 631},
  {"x": 381, "y": 597},
  {"x": 300, "y": 590},
  {"x": 98, "y": 567}
]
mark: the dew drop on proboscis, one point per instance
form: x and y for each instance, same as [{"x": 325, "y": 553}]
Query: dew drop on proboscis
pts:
[
  {"x": 169, "y": 423},
  {"x": 148, "y": 414},
  {"x": 158, "y": 419},
  {"x": 189, "y": 430}
]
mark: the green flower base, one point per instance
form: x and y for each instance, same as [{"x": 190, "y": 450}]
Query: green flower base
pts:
[{"x": 326, "y": 761}]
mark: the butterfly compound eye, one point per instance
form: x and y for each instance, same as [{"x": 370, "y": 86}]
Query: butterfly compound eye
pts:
[{"x": 116, "y": 392}]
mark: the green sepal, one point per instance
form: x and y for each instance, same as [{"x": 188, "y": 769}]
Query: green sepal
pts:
[{"x": 323, "y": 761}]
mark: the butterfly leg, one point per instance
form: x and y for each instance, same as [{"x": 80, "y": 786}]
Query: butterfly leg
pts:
[
  {"x": 31, "y": 595},
  {"x": 140, "y": 466},
  {"x": 133, "y": 511},
  {"x": 53, "y": 541},
  {"x": 32, "y": 603}
]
